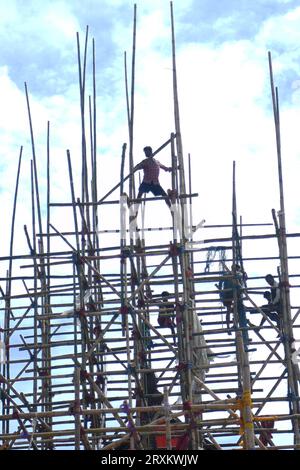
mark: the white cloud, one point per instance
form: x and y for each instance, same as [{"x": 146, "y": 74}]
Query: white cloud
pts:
[
  {"x": 12, "y": 101},
  {"x": 225, "y": 107},
  {"x": 281, "y": 30},
  {"x": 53, "y": 22},
  {"x": 224, "y": 98}
]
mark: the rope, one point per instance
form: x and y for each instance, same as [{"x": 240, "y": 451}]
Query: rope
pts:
[{"x": 211, "y": 254}]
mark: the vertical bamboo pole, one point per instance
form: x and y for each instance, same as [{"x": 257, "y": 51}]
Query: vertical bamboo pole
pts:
[
  {"x": 128, "y": 352},
  {"x": 84, "y": 178},
  {"x": 73, "y": 200},
  {"x": 47, "y": 286},
  {"x": 122, "y": 234},
  {"x": 95, "y": 163},
  {"x": 40, "y": 273},
  {"x": 285, "y": 286},
  {"x": 13, "y": 223},
  {"x": 175, "y": 221},
  {"x": 174, "y": 187},
  {"x": 126, "y": 90},
  {"x": 6, "y": 365},
  {"x": 167, "y": 418},
  {"x": 190, "y": 204},
  {"x": 197, "y": 437},
  {"x": 184, "y": 257},
  {"x": 75, "y": 270},
  {"x": 92, "y": 153},
  {"x": 239, "y": 337},
  {"x": 95, "y": 170},
  {"x": 131, "y": 122},
  {"x": 82, "y": 75},
  {"x": 176, "y": 109},
  {"x": 132, "y": 192},
  {"x": 98, "y": 293},
  {"x": 92, "y": 245},
  {"x": 75, "y": 346},
  {"x": 8, "y": 312},
  {"x": 242, "y": 355},
  {"x": 35, "y": 319},
  {"x": 77, "y": 408},
  {"x": 38, "y": 206},
  {"x": 48, "y": 200}
]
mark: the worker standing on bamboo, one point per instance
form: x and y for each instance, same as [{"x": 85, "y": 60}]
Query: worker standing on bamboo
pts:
[
  {"x": 273, "y": 309},
  {"x": 275, "y": 291},
  {"x": 270, "y": 310},
  {"x": 227, "y": 286},
  {"x": 231, "y": 287},
  {"x": 166, "y": 315},
  {"x": 150, "y": 183}
]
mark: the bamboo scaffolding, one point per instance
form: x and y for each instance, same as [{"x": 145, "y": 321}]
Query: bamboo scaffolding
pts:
[{"x": 83, "y": 336}]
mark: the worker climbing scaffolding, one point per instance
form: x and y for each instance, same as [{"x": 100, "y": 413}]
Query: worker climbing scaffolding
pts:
[
  {"x": 150, "y": 183},
  {"x": 166, "y": 315},
  {"x": 231, "y": 286},
  {"x": 101, "y": 321},
  {"x": 273, "y": 308}
]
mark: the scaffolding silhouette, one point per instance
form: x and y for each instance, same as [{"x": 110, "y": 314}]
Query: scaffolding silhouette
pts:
[{"x": 84, "y": 362}]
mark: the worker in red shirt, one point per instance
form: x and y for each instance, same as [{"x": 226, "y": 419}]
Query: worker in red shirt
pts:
[{"x": 150, "y": 181}]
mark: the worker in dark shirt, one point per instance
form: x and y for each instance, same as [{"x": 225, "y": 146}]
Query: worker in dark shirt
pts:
[
  {"x": 273, "y": 309},
  {"x": 270, "y": 310},
  {"x": 166, "y": 313},
  {"x": 232, "y": 282}
]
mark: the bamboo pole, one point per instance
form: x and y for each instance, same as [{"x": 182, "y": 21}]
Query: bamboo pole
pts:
[
  {"x": 242, "y": 343},
  {"x": 7, "y": 296},
  {"x": 126, "y": 90},
  {"x": 77, "y": 408},
  {"x": 94, "y": 159},
  {"x": 34, "y": 162},
  {"x": 293, "y": 369},
  {"x": 82, "y": 77},
  {"x": 131, "y": 120},
  {"x": 48, "y": 273},
  {"x": 184, "y": 258}
]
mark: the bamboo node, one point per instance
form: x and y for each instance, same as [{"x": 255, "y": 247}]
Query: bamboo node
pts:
[
  {"x": 126, "y": 253},
  {"x": 246, "y": 400},
  {"x": 130, "y": 370},
  {"x": 182, "y": 366},
  {"x": 15, "y": 414},
  {"x": 187, "y": 406},
  {"x": 124, "y": 310},
  {"x": 175, "y": 250},
  {"x": 75, "y": 407},
  {"x": 84, "y": 375}
]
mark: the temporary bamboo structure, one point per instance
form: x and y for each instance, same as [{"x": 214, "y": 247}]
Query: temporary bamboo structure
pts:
[{"x": 88, "y": 366}]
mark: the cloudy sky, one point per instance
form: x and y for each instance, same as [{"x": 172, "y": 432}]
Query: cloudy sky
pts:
[
  {"x": 224, "y": 97},
  {"x": 224, "y": 93}
]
